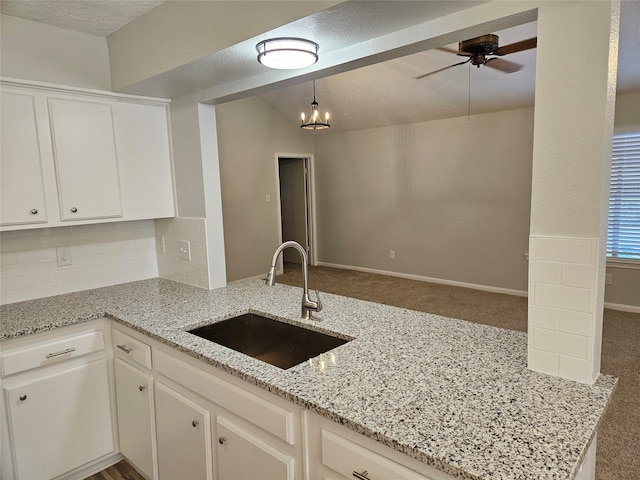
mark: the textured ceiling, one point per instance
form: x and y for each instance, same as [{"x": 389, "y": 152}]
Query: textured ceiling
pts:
[
  {"x": 96, "y": 17},
  {"x": 385, "y": 93}
]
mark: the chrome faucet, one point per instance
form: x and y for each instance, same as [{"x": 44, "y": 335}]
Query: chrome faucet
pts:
[{"x": 308, "y": 305}]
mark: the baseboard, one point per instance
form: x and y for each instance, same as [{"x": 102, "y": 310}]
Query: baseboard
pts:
[
  {"x": 621, "y": 307},
  {"x": 92, "y": 468},
  {"x": 474, "y": 286},
  {"x": 486, "y": 288}
]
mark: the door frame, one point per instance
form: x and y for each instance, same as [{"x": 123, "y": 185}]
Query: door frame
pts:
[{"x": 311, "y": 203}]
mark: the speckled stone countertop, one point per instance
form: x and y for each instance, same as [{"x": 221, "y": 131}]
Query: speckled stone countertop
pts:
[{"x": 450, "y": 393}]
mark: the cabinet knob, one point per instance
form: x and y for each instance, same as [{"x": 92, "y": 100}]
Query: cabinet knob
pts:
[
  {"x": 221, "y": 440},
  {"x": 195, "y": 423},
  {"x": 141, "y": 387},
  {"x": 34, "y": 211},
  {"x": 23, "y": 397},
  {"x": 74, "y": 209}
]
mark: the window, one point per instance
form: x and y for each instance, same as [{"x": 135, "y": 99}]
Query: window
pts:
[{"x": 623, "y": 239}]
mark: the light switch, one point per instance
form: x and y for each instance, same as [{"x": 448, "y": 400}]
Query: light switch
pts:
[{"x": 184, "y": 250}]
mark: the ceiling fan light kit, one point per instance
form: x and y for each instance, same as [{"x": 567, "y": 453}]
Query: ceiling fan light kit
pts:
[{"x": 287, "y": 53}]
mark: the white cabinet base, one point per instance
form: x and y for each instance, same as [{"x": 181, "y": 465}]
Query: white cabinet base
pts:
[{"x": 58, "y": 421}]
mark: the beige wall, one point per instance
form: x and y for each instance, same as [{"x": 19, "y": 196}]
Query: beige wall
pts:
[
  {"x": 451, "y": 197},
  {"x": 250, "y": 134},
  {"x": 34, "y": 51}
]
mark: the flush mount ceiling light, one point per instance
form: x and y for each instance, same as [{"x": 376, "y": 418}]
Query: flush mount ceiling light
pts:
[
  {"x": 314, "y": 122},
  {"x": 287, "y": 53}
]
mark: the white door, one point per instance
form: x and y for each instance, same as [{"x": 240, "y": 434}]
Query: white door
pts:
[
  {"x": 60, "y": 422},
  {"x": 22, "y": 190},
  {"x": 135, "y": 416},
  {"x": 243, "y": 456},
  {"x": 85, "y": 158},
  {"x": 183, "y": 431}
]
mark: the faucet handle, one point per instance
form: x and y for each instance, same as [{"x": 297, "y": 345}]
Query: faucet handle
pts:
[{"x": 318, "y": 301}]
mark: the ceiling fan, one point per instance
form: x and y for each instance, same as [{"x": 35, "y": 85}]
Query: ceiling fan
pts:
[{"x": 477, "y": 49}]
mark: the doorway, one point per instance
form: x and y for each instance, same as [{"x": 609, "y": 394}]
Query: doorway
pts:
[{"x": 296, "y": 205}]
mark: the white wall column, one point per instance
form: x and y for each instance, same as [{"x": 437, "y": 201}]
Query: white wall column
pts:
[{"x": 574, "y": 112}]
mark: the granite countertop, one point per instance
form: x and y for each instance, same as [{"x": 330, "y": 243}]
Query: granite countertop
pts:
[{"x": 453, "y": 394}]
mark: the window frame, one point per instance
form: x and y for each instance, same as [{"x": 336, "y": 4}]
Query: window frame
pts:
[{"x": 618, "y": 261}]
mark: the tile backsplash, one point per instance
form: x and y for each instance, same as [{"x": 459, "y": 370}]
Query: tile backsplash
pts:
[
  {"x": 101, "y": 255},
  {"x": 171, "y": 231},
  {"x": 563, "y": 315}
]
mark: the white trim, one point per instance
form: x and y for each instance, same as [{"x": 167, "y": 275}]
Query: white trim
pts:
[
  {"x": 474, "y": 286},
  {"x": 313, "y": 241},
  {"x": 621, "y": 307},
  {"x": 620, "y": 263},
  {"x": 64, "y": 89}
]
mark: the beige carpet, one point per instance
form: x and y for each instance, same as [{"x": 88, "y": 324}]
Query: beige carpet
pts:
[{"x": 619, "y": 436}]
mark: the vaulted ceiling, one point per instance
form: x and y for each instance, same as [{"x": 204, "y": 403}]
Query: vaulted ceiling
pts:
[{"x": 383, "y": 93}]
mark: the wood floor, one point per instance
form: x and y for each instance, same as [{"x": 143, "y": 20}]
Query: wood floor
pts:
[{"x": 120, "y": 471}]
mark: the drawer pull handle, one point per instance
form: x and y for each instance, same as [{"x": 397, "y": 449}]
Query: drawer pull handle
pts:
[
  {"x": 23, "y": 397},
  {"x": 221, "y": 440},
  {"x": 361, "y": 476},
  {"x": 124, "y": 348},
  {"x": 141, "y": 388},
  {"x": 195, "y": 423},
  {"x": 57, "y": 354}
]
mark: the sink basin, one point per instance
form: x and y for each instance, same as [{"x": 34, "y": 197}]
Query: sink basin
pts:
[{"x": 278, "y": 343}]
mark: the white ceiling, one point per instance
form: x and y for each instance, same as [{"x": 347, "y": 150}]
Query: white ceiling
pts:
[
  {"x": 385, "y": 93},
  {"x": 95, "y": 17}
]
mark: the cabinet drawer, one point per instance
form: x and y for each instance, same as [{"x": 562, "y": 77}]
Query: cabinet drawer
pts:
[
  {"x": 52, "y": 352},
  {"x": 274, "y": 419},
  {"x": 350, "y": 459},
  {"x": 132, "y": 349}
]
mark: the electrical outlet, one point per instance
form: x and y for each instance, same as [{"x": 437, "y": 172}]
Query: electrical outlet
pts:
[
  {"x": 184, "y": 250},
  {"x": 161, "y": 247},
  {"x": 64, "y": 256},
  {"x": 392, "y": 254},
  {"x": 608, "y": 279}
]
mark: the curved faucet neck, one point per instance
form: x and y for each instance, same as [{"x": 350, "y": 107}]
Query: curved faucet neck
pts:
[{"x": 303, "y": 254}]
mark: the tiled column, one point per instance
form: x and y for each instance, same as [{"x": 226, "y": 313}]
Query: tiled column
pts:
[
  {"x": 573, "y": 129},
  {"x": 564, "y": 318}
]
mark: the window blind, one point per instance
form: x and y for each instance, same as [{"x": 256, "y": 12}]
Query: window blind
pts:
[{"x": 623, "y": 238}]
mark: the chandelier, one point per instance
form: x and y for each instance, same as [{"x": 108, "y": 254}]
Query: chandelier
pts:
[{"x": 314, "y": 123}]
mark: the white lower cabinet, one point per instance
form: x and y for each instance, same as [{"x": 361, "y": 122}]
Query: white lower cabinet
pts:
[
  {"x": 57, "y": 415},
  {"x": 211, "y": 424},
  {"x": 183, "y": 437},
  {"x": 243, "y": 456},
  {"x": 134, "y": 397},
  {"x": 335, "y": 452}
]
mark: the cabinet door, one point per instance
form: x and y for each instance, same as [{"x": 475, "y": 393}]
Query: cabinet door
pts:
[
  {"x": 135, "y": 416},
  {"x": 242, "y": 456},
  {"x": 144, "y": 160},
  {"x": 85, "y": 158},
  {"x": 61, "y": 421},
  {"x": 22, "y": 189},
  {"x": 183, "y": 430}
]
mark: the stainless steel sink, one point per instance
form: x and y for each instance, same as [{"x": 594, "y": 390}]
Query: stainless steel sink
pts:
[{"x": 278, "y": 343}]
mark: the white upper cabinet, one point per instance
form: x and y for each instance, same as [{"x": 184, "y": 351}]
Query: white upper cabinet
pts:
[
  {"x": 82, "y": 156},
  {"x": 142, "y": 145},
  {"x": 23, "y": 198},
  {"x": 84, "y": 151}
]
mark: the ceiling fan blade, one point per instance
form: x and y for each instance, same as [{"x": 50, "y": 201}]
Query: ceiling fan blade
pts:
[
  {"x": 503, "y": 65},
  {"x": 455, "y": 52},
  {"x": 517, "y": 46},
  {"x": 441, "y": 69}
]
